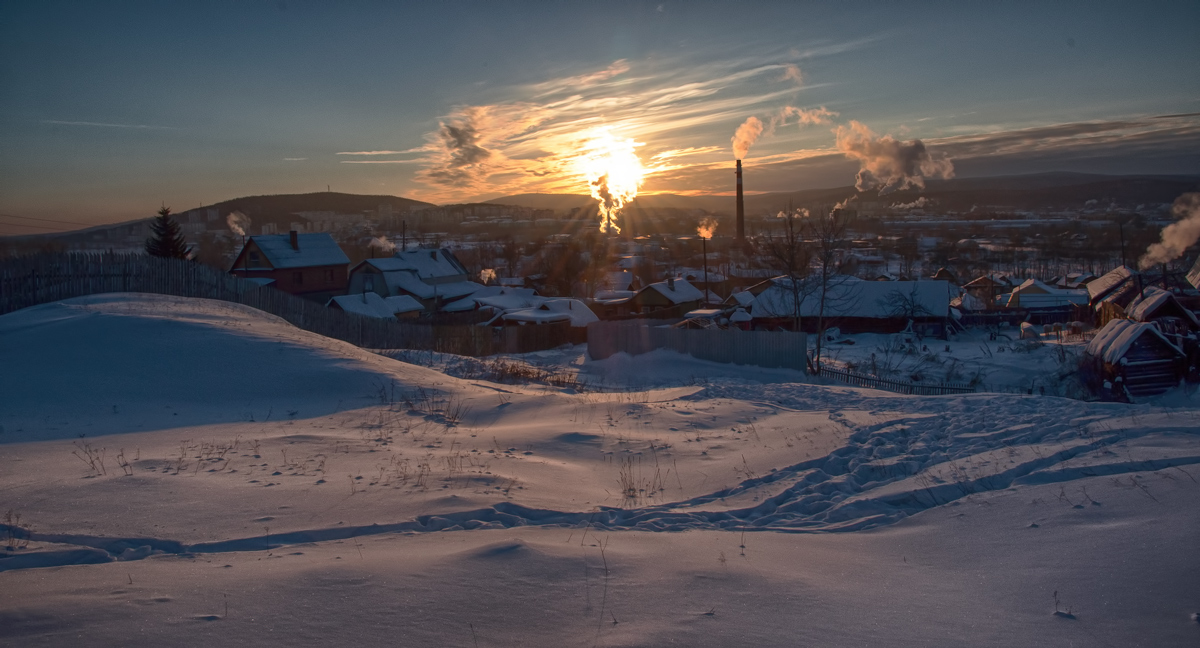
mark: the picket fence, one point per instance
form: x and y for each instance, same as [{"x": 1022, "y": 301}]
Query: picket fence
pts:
[
  {"x": 758, "y": 348},
  {"x": 42, "y": 278},
  {"x": 898, "y": 386}
]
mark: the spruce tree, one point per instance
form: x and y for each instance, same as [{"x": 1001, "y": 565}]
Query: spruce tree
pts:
[{"x": 168, "y": 239}]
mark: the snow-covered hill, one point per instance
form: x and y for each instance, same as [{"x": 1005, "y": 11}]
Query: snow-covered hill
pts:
[{"x": 189, "y": 471}]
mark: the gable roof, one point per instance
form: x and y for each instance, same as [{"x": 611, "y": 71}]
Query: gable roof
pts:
[
  {"x": 1150, "y": 300},
  {"x": 403, "y": 304},
  {"x": 424, "y": 264},
  {"x": 316, "y": 249},
  {"x": 681, "y": 293},
  {"x": 367, "y": 304},
  {"x": 1114, "y": 340}
]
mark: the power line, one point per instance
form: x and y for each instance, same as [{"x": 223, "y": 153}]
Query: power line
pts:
[
  {"x": 48, "y": 220},
  {"x": 33, "y": 226}
]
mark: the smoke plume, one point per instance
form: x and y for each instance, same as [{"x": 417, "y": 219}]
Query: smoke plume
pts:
[
  {"x": 382, "y": 244},
  {"x": 1178, "y": 236},
  {"x": 804, "y": 117},
  {"x": 237, "y": 222},
  {"x": 888, "y": 164},
  {"x": 919, "y": 202},
  {"x": 462, "y": 158},
  {"x": 707, "y": 227},
  {"x": 845, "y": 203},
  {"x": 745, "y": 136},
  {"x": 487, "y": 275}
]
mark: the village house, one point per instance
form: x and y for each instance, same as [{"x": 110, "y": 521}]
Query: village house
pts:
[
  {"x": 306, "y": 265},
  {"x": 987, "y": 287},
  {"x": 855, "y": 305},
  {"x": 435, "y": 278},
  {"x": 664, "y": 299}
]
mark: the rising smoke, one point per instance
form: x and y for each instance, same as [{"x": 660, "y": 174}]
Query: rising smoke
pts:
[
  {"x": 237, "y": 222},
  {"x": 918, "y": 203},
  {"x": 803, "y": 116},
  {"x": 888, "y": 164},
  {"x": 745, "y": 136},
  {"x": 1178, "y": 236},
  {"x": 382, "y": 244},
  {"x": 707, "y": 227}
]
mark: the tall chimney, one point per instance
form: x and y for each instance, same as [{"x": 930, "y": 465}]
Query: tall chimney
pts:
[
  {"x": 741, "y": 211},
  {"x": 294, "y": 239}
]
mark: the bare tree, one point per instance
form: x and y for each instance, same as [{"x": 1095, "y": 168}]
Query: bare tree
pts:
[
  {"x": 786, "y": 253},
  {"x": 827, "y": 232}
]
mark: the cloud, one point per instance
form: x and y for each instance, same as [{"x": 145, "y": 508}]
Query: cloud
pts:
[
  {"x": 416, "y": 150},
  {"x": 105, "y": 125},
  {"x": 461, "y": 160},
  {"x": 886, "y": 163},
  {"x": 294, "y": 159},
  {"x": 792, "y": 72}
]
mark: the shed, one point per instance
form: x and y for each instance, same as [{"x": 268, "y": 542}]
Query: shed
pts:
[{"x": 1133, "y": 359}]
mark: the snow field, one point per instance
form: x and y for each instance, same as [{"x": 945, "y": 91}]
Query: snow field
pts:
[{"x": 210, "y": 453}]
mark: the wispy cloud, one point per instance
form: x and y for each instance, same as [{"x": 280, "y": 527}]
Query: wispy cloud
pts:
[
  {"x": 105, "y": 125},
  {"x": 294, "y": 159},
  {"x": 416, "y": 150}
]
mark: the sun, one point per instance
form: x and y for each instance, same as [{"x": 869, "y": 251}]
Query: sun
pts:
[{"x": 613, "y": 171}]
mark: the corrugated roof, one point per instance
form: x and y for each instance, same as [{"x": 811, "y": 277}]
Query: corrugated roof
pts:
[
  {"x": 681, "y": 293},
  {"x": 426, "y": 264},
  {"x": 1105, "y": 283},
  {"x": 316, "y": 249},
  {"x": 368, "y": 304}
]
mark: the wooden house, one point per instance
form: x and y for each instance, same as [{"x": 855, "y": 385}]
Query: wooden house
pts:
[
  {"x": 312, "y": 266},
  {"x": 663, "y": 299},
  {"x": 1129, "y": 359}
]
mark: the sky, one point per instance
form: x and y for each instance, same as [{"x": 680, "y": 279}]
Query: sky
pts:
[{"x": 110, "y": 110}]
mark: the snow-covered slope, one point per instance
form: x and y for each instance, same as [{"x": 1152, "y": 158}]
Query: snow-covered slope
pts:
[{"x": 189, "y": 471}]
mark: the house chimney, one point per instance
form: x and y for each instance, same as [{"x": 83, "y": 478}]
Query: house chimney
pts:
[
  {"x": 670, "y": 283},
  {"x": 294, "y": 239},
  {"x": 741, "y": 211}
]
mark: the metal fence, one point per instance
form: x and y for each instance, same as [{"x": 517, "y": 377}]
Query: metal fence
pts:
[
  {"x": 758, "y": 348},
  {"x": 42, "y": 278},
  {"x": 898, "y": 386}
]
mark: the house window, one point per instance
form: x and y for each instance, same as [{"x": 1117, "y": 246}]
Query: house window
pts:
[
  {"x": 329, "y": 276},
  {"x": 254, "y": 262},
  {"x": 298, "y": 278}
]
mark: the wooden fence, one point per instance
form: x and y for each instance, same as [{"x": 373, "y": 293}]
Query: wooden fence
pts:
[
  {"x": 39, "y": 279},
  {"x": 898, "y": 386},
  {"x": 758, "y": 348}
]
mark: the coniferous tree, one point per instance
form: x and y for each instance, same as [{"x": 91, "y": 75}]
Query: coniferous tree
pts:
[{"x": 168, "y": 239}]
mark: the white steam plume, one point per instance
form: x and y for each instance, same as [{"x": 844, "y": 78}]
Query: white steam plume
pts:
[
  {"x": 745, "y": 136},
  {"x": 845, "y": 203},
  {"x": 707, "y": 227},
  {"x": 1178, "y": 236},
  {"x": 803, "y": 116},
  {"x": 888, "y": 164},
  {"x": 919, "y": 202},
  {"x": 487, "y": 275},
  {"x": 382, "y": 244},
  {"x": 237, "y": 222}
]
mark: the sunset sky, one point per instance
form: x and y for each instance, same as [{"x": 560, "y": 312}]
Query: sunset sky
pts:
[{"x": 108, "y": 110}]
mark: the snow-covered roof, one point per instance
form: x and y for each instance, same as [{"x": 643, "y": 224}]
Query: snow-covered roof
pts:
[
  {"x": 316, "y": 249},
  {"x": 1035, "y": 286},
  {"x": 1036, "y": 294},
  {"x": 409, "y": 283},
  {"x": 618, "y": 280},
  {"x": 578, "y": 311},
  {"x": 403, "y": 304},
  {"x": 425, "y": 264},
  {"x": 535, "y": 316},
  {"x": 969, "y": 302},
  {"x": 853, "y": 297},
  {"x": 742, "y": 298},
  {"x": 1101, "y": 286},
  {"x": 681, "y": 292},
  {"x": 367, "y": 304},
  {"x": 1114, "y": 340},
  {"x": 1150, "y": 300},
  {"x": 606, "y": 296}
]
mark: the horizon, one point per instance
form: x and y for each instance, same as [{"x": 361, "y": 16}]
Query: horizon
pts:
[{"x": 104, "y": 122}]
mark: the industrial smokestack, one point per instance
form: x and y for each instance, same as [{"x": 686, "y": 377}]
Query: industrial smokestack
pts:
[{"x": 741, "y": 210}]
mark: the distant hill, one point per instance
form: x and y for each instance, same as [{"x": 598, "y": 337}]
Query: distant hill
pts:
[
  {"x": 284, "y": 205},
  {"x": 1043, "y": 190}
]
